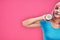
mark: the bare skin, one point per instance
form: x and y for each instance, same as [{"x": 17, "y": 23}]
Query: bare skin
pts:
[{"x": 34, "y": 22}]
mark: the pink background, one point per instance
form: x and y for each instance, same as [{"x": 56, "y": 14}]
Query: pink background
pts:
[{"x": 13, "y": 12}]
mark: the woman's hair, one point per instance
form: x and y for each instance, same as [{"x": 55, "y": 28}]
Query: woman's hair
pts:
[{"x": 55, "y": 7}]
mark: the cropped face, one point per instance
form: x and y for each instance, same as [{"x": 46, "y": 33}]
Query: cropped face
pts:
[{"x": 56, "y": 12}]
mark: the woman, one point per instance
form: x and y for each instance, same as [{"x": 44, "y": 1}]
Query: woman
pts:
[{"x": 51, "y": 28}]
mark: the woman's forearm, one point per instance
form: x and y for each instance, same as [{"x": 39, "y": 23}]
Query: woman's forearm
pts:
[{"x": 33, "y": 20}]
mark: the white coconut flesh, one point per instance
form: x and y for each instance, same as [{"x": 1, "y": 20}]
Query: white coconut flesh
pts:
[{"x": 48, "y": 17}]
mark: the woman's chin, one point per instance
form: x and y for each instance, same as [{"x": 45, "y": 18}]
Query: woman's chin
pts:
[{"x": 57, "y": 16}]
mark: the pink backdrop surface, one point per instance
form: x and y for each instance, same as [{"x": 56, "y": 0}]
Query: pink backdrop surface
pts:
[{"x": 13, "y": 12}]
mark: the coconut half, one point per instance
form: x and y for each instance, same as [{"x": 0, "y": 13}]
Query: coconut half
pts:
[{"x": 48, "y": 17}]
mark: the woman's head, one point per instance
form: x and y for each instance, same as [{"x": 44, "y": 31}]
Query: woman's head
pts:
[{"x": 56, "y": 11}]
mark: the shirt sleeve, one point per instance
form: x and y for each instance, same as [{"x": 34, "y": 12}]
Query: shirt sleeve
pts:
[{"x": 42, "y": 24}]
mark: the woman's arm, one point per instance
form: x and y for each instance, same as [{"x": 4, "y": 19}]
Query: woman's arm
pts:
[{"x": 33, "y": 22}]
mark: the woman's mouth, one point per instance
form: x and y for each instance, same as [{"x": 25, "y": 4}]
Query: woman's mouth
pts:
[{"x": 57, "y": 13}]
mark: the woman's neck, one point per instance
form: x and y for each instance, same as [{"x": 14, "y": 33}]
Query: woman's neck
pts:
[{"x": 56, "y": 20}]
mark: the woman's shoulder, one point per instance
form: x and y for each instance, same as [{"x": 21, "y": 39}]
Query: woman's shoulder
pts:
[{"x": 42, "y": 21}]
